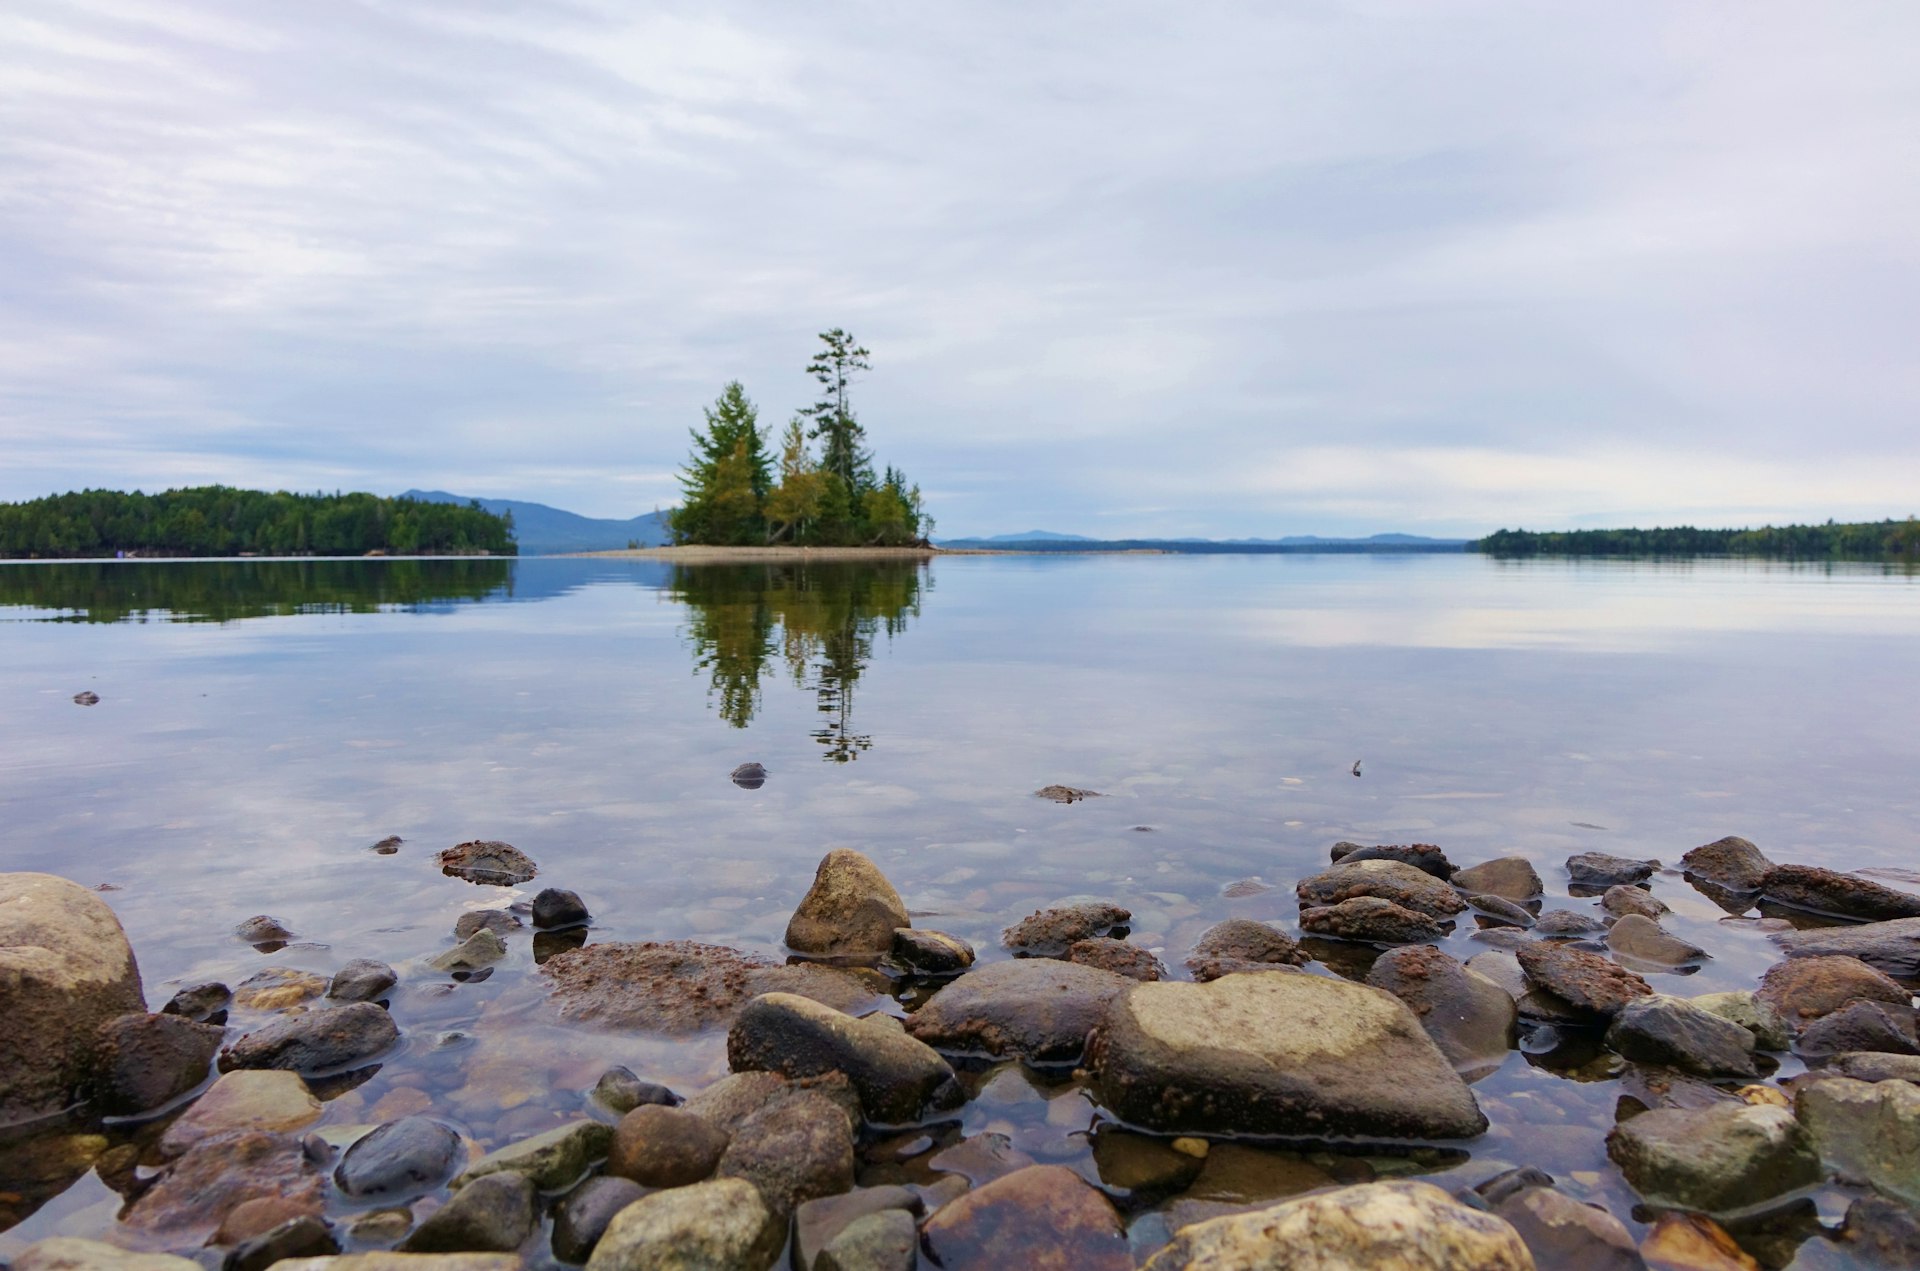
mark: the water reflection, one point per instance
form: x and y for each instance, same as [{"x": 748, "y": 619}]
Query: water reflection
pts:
[
  {"x": 818, "y": 621},
  {"x": 190, "y": 591}
]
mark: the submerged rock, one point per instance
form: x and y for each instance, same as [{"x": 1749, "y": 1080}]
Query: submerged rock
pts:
[
  {"x": 1048, "y": 933},
  {"x": 931, "y": 952},
  {"x": 1806, "y": 989},
  {"x": 1868, "y": 1133},
  {"x": 720, "y": 1223},
  {"x": 1499, "y": 908},
  {"x": 850, "y": 909},
  {"x": 884, "y": 1241},
  {"x": 248, "y": 1100},
  {"x": 1117, "y": 956},
  {"x": 1471, "y": 1019},
  {"x": 1369, "y": 918},
  {"x": 277, "y": 988},
  {"x": 1509, "y": 877},
  {"x": 1038, "y": 1009},
  {"x": 498, "y": 921},
  {"x": 1732, "y": 863},
  {"x": 1892, "y": 947},
  {"x": 619, "y": 1091},
  {"x": 1241, "y": 944},
  {"x": 188, "y": 1202},
  {"x": 1640, "y": 939},
  {"x": 316, "y": 1041},
  {"x": 1041, "y": 1218},
  {"x": 1692, "y": 1242},
  {"x": 1718, "y": 1159},
  {"x": 1824, "y": 891},
  {"x": 1404, "y": 885},
  {"x": 680, "y": 986},
  {"x": 1558, "y": 1230},
  {"x": 1603, "y": 869},
  {"x": 489, "y": 863},
  {"x": 144, "y": 1061},
  {"x": 482, "y": 948},
  {"x": 897, "y": 1076},
  {"x": 1674, "y": 1032},
  {"x": 1585, "y": 981}
]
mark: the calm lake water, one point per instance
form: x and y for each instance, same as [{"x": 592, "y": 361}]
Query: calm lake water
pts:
[{"x": 262, "y": 724}]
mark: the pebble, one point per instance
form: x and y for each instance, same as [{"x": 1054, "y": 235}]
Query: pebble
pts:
[{"x": 362, "y": 980}]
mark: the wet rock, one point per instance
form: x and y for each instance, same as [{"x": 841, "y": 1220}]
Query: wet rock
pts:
[
  {"x": 886, "y": 1241},
  {"x": 489, "y": 863},
  {"x": 1860, "y": 1026},
  {"x": 399, "y": 1160},
  {"x": 406, "y": 1261},
  {"x": 549, "y": 944},
  {"x": 249, "y": 1100},
  {"x": 1369, "y": 918},
  {"x": 276, "y": 988},
  {"x": 1048, "y": 933},
  {"x": 264, "y": 929},
  {"x": 1565, "y": 924},
  {"x": 1066, "y": 794},
  {"x": 1241, "y": 944},
  {"x": 1602, "y": 869},
  {"x": 980, "y": 1158},
  {"x": 1042, "y": 1218},
  {"x": 1866, "y": 1132},
  {"x": 1825, "y": 891},
  {"x": 1690, "y": 1242},
  {"x": 1422, "y": 856},
  {"x": 850, "y": 909},
  {"x": 619, "y": 1091},
  {"x": 200, "y": 1003},
  {"x": 1878, "y": 1231},
  {"x": 1500, "y": 967},
  {"x": 304, "y": 1236},
  {"x": 1640, "y": 939},
  {"x": 1769, "y": 1030},
  {"x": 498, "y": 921},
  {"x": 795, "y": 1149},
  {"x": 817, "y": 1222},
  {"x": 931, "y": 952},
  {"x": 1138, "y": 1169},
  {"x": 680, "y": 986},
  {"x": 1035, "y": 1008},
  {"x": 723, "y": 1223},
  {"x": 582, "y": 1218},
  {"x": 1731, "y": 862},
  {"x": 188, "y": 1202},
  {"x": 1646, "y": 1086},
  {"x": 1805, "y": 989},
  {"x": 387, "y": 846},
  {"x": 556, "y": 907},
  {"x": 1117, "y": 956},
  {"x": 1472, "y": 1020},
  {"x": 1892, "y": 947},
  {"x": 1404, "y": 885},
  {"x": 144, "y": 1061},
  {"x": 553, "y": 1160},
  {"x": 66, "y": 1253},
  {"x": 1561, "y": 1232},
  {"x": 1499, "y": 907},
  {"x": 316, "y": 1041},
  {"x": 362, "y": 980},
  {"x": 1509, "y": 877},
  {"x": 1585, "y": 981},
  {"x": 86, "y": 697},
  {"x": 1727, "y": 1157},
  {"x": 1626, "y": 899},
  {"x": 481, "y": 949},
  {"x": 658, "y": 1146},
  {"x": 1386, "y": 1226},
  {"x": 65, "y": 969},
  {"x": 897, "y": 1076},
  {"x": 1276, "y": 1054},
  {"x": 494, "y": 1214},
  {"x": 1864, "y": 1065},
  {"x": 749, "y": 776},
  {"x": 1674, "y": 1032},
  {"x": 728, "y": 1102}
]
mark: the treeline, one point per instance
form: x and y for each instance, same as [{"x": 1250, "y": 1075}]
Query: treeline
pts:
[
  {"x": 1865, "y": 540},
  {"x": 218, "y": 520},
  {"x": 732, "y": 494}
]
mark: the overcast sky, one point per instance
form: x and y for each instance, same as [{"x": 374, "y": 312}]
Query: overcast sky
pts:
[{"x": 1207, "y": 269}]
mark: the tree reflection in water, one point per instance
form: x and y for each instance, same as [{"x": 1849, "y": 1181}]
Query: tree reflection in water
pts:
[{"x": 819, "y": 619}]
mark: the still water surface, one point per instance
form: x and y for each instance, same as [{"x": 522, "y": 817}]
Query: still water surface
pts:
[{"x": 261, "y": 724}]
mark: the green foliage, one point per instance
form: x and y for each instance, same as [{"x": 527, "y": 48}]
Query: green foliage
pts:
[
  {"x": 843, "y": 451},
  {"x": 727, "y": 476},
  {"x": 140, "y": 591},
  {"x": 221, "y": 521},
  {"x": 1867, "y": 540}
]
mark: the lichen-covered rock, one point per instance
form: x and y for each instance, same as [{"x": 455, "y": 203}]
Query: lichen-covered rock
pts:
[
  {"x": 1638, "y": 938},
  {"x": 1048, "y": 933},
  {"x": 723, "y": 1223},
  {"x": 316, "y": 1041},
  {"x": 1039, "y": 1009},
  {"x": 680, "y": 986},
  {"x": 1603, "y": 869},
  {"x": 1826, "y": 891},
  {"x": 1585, "y": 981},
  {"x": 1471, "y": 1019},
  {"x": 252, "y": 1099},
  {"x": 1892, "y": 947},
  {"x": 897, "y": 1076},
  {"x": 1371, "y": 919},
  {"x": 1241, "y": 944},
  {"x": 144, "y": 1061},
  {"x": 554, "y": 1159},
  {"x": 1716, "y": 1159},
  {"x": 1404, "y": 885},
  {"x": 1866, "y": 1132},
  {"x": 1731, "y": 862},
  {"x": 1509, "y": 877},
  {"x": 1117, "y": 956},
  {"x": 794, "y": 1149},
  {"x": 488, "y": 862},
  {"x": 1041, "y": 1218},
  {"x": 850, "y": 909},
  {"x": 1674, "y": 1032},
  {"x": 1805, "y": 989}
]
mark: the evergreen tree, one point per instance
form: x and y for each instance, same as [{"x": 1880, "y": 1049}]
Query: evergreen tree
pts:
[
  {"x": 795, "y": 503},
  {"x": 727, "y": 475},
  {"x": 843, "y": 451}
]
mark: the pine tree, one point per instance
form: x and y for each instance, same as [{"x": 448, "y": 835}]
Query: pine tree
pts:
[
  {"x": 727, "y": 475},
  {"x": 795, "y": 503},
  {"x": 843, "y": 450}
]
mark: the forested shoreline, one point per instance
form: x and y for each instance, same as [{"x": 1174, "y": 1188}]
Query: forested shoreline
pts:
[
  {"x": 1862, "y": 540},
  {"x": 222, "y": 521}
]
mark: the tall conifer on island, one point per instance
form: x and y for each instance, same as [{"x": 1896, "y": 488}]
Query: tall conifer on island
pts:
[
  {"x": 843, "y": 452},
  {"x": 727, "y": 477}
]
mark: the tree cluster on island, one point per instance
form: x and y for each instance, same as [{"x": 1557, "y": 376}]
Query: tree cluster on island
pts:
[
  {"x": 733, "y": 495},
  {"x": 1863, "y": 540}
]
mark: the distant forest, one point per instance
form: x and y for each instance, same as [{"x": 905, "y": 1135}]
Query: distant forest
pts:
[
  {"x": 217, "y": 520},
  {"x": 1866, "y": 540}
]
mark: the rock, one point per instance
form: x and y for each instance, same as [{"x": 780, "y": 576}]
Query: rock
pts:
[
  {"x": 482, "y": 948},
  {"x": 387, "y": 846},
  {"x": 1391, "y": 1226},
  {"x": 1042, "y": 1218},
  {"x": 980, "y": 1158},
  {"x": 850, "y": 909},
  {"x": 1561, "y": 1232},
  {"x": 1585, "y": 981},
  {"x": 658, "y": 1146},
  {"x": 249, "y": 1100},
  {"x": 1499, "y": 907},
  {"x": 728, "y": 1102},
  {"x": 1139, "y": 1170},
  {"x": 142, "y": 1062},
  {"x": 361, "y": 980},
  {"x": 1892, "y": 947},
  {"x": 1404, "y": 885},
  {"x": 582, "y": 1218},
  {"x": 554, "y": 1160},
  {"x": 498, "y": 921},
  {"x": 1625, "y": 899},
  {"x": 1864, "y": 1065},
  {"x": 749, "y": 776},
  {"x": 188, "y": 1202},
  {"x": 1641, "y": 939},
  {"x": 399, "y": 1160},
  {"x": 679, "y": 986},
  {"x": 1241, "y": 944},
  {"x": 315, "y": 1042},
  {"x": 1866, "y": 1132},
  {"x": 1370, "y": 918},
  {"x": 1860, "y": 1026},
  {"x": 1759, "y": 1018},
  {"x": 817, "y": 1222},
  {"x": 1689, "y": 1242},
  {"x": 200, "y": 1003},
  {"x": 796, "y": 1148},
  {"x": 1117, "y": 956},
  {"x": 1509, "y": 877},
  {"x": 1824, "y": 891},
  {"x": 66, "y": 1253},
  {"x": 1036, "y": 1009},
  {"x": 931, "y": 952},
  {"x": 406, "y": 1261},
  {"x": 1422, "y": 856},
  {"x": 1881, "y": 1232},
  {"x": 1565, "y": 924},
  {"x": 303, "y": 1236},
  {"x": 1732, "y": 863},
  {"x": 494, "y": 1214},
  {"x": 1066, "y": 794},
  {"x": 897, "y": 1076},
  {"x": 1645, "y": 1086},
  {"x": 721, "y": 1225},
  {"x": 556, "y": 907},
  {"x": 65, "y": 969},
  {"x": 886, "y": 1241},
  {"x": 1502, "y": 968},
  {"x": 1674, "y": 1032},
  {"x": 86, "y": 697},
  {"x": 1602, "y": 869},
  {"x": 1726, "y": 1157},
  {"x": 1471, "y": 1020},
  {"x": 488, "y": 863},
  {"x": 1805, "y": 989},
  {"x": 1276, "y": 1054},
  {"x": 619, "y": 1091},
  {"x": 264, "y": 929},
  {"x": 276, "y": 988},
  {"x": 1048, "y": 933}
]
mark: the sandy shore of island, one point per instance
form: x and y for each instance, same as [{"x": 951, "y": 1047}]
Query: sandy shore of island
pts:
[{"x": 730, "y": 555}]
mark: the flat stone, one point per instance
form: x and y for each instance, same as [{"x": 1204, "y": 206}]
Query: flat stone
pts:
[
  {"x": 980, "y": 1158},
  {"x": 1717, "y": 1159},
  {"x": 1509, "y": 877},
  {"x": 1565, "y": 924},
  {"x": 494, "y": 1214},
  {"x": 1866, "y": 1132},
  {"x": 1825, "y": 891},
  {"x": 142, "y": 1061},
  {"x": 276, "y": 988},
  {"x": 728, "y": 1102},
  {"x": 1866, "y": 1065},
  {"x": 498, "y": 921},
  {"x": 1731, "y": 862},
  {"x": 1674, "y": 1032},
  {"x": 1048, "y": 933},
  {"x": 554, "y": 1160},
  {"x": 1042, "y": 1218},
  {"x": 557, "y": 907},
  {"x": 1603, "y": 869},
  {"x": 399, "y": 1160},
  {"x": 68, "y": 1253},
  {"x": 886, "y": 1241},
  {"x": 711, "y": 1226},
  {"x": 931, "y": 952},
  {"x": 680, "y": 986},
  {"x": 795, "y": 1149},
  {"x": 488, "y": 862},
  {"x": 362, "y": 980},
  {"x": 1241, "y": 944},
  {"x": 659, "y": 1146},
  {"x": 1860, "y": 1026},
  {"x": 1117, "y": 956},
  {"x": 1640, "y": 939},
  {"x": 1276, "y": 1054},
  {"x": 1404, "y": 885},
  {"x": 1370, "y": 918},
  {"x": 1033, "y": 1008},
  {"x": 1471, "y": 1019},
  {"x": 1805, "y": 989},
  {"x": 582, "y": 1218},
  {"x": 188, "y": 1202},
  {"x": 1585, "y": 981},
  {"x": 1891, "y": 947},
  {"x": 266, "y": 1099},
  {"x": 1422, "y": 856},
  {"x": 1624, "y": 899},
  {"x": 817, "y": 1222},
  {"x": 482, "y": 948},
  {"x": 1511, "y": 912},
  {"x": 317, "y": 1041},
  {"x": 850, "y": 909},
  {"x": 897, "y": 1076}
]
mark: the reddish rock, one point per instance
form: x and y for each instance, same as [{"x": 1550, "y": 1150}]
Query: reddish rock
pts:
[
  {"x": 1583, "y": 980},
  {"x": 193, "y": 1198},
  {"x": 1117, "y": 956},
  {"x": 680, "y": 986},
  {"x": 1806, "y": 989},
  {"x": 1042, "y": 1218}
]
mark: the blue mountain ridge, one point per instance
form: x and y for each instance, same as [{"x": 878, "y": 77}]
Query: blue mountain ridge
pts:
[{"x": 545, "y": 531}]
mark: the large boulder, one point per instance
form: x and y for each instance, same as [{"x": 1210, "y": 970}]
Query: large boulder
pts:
[
  {"x": 1731, "y": 862},
  {"x": 850, "y": 909},
  {"x": 1030, "y": 1008},
  {"x": 1806, "y": 989},
  {"x": 1867, "y": 1132},
  {"x": 1892, "y": 947},
  {"x": 898, "y": 1076},
  {"x": 1674, "y": 1032},
  {"x": 144, "y": 1061},
  {"x": 1276, "y": 1054},
  {"x": 1716, "y": 1159},
  {"x": 1405, "y": 885},
  {"x": 1041, "y": 1218},
  {"x": 65, "y": 969},
  {"x": 1825, "y": 891},
  {"x": 705, "y": 1227},
  {"x": 681, "y": 986}
]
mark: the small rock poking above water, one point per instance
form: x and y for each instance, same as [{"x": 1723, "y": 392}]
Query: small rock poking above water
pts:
[
  {"x": 1732, "y": 863},
  {"x": 495, "y": 1214},
  {"x": 931, "y": 952},
  {"x": 556, "y": 907},
  {"x": 361, "y": 980},
  {"x": 620, "y": 1091},
  {"x": 200, "y": 1002},
  {"x": 1048, "y": 933},
  {"x": 1422, "y": 856},
  {"x": 850, "y": 909},
  {"x": 86, "y": 697},
  {"x": 1623, "y": 899},
  {"x": 498, "y": 921},
  {"x": 143, "y": 1061},
  {"x": 1038, "y": 1009},
  {"x": 1066, "y": 794},
  {"x": 1241, "y": 944},
  {"x": 658, "y": 1146},
  {"x": 1637, "y": 938},
  {"x": 1509, "y": 877},
  {"x": 482, "y": 948},
  {"x": 582, "y": 1218},
  {"x": 723, "y": 1222},
  {"x": 749, "y": 776},
  {"x": 264, "y": 929},
  {"x": 553, "y": 1160},
  {"x": 399, "y": 1160},
  {"x": 488, "y": 862},
  {"x": 317, "y": 1041},
  {"x": 1603, "y": 869},
  {"x": 1403, "y": 884},
  {"x": 1565, "y": 924},
  {"x": 1825, "y": 891}
]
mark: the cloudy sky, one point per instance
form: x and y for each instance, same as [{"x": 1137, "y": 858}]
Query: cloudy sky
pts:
[{"x": 1220, "y": 269}]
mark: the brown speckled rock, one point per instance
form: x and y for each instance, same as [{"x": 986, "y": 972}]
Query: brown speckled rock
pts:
[
  {"x": 1042, "y": 1218},
  {"x": 680, "y": 986},
  {"x": 1048, "y": 933},
  {"x": 1805, "y": 989},
  {"x": 1404, "y": 885},
  {"x": 1585, "y": 981},
  {"x": 1033, "y": 1008},
  {"x": 850, "y": 909},
  {"x": 1731, "y": 862},
  {"x": 1826, "y": 891},
  {"x": 1241, "y": 944},
  {"x": 1117, "y": 956}
]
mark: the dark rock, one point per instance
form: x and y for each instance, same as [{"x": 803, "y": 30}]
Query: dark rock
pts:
[
  {"x": 1404, "y": 885},
  {"x": 1499, "y": 907},
  {"x": 795, "y": 1149},
  {"x": 1626, "y": 899},
  {"x": 749, "y": 776},
  {"x": 1726, "y": 1157},
  {"x": 1422, "y": 856},
  {"x": 548, "y": 945},
  {"x": 264, "y": 929},
  {"x": 554, "y": 1159},
  {"x": 1241, "y": 944},
  {"x": 1585, "y": 981},
  {"x": 1509, "y": 877},
  {"x": 1139, "y": 1170},
  {"x": 658, "y": 1146},
  {"x": 1676, "y": 1033},
  {"x": 494, "y": 1214},
  {"x": 305, "y": 1236},
  {"x": 1042, "y": 1218},
  {"x": 498, "y": 921},
  {"x": 1882, "y": 1232},
  {"x": 1472, "y": 1020},
  {"x": 583, "y": 1216},
  {"x": 186, "y": 1204},
  {"x": 387, "y": 846},
  {"x": 897, "y": 1076},
  {"x": 850, "y": 909},
  {"x": 556, "y": 907},
  {"x": 200, "y": 1002},
  {"x": 142, "y": 1062},
  {"x": 1566, "y": 1235},
  {"x": 1117, "y": 956},
  {"x": 1806, "y": 989},
  {"x": 1868, "y": 1065},
  {"x": 1563, "y": 924},
  {"x": 1048, "y": 933},
  {"x": 1636, "y": 938},
  {"x": 886, "y": 1241},
  {"x": 679, "y": 986},
  {"x": 1824, "y": 891},
  {"x": 1860, "y": 1026},
  {"x": 1732, "y": 863},
  {"x": 1602, "y": 869},
  {"x": 720, "y": 1225},
  {"x": 1892, "y": 947},
  {"x": 317, "y": 1041},
  {"x": 86, "y": 697},
  {"x": 1765, "y": 1024},
  {"x": 817, "y": 1222},
  {"x": 1370, "y": 918},
  {"x": 1066, "y": 794},
  {"x": 489, "y": 863},
  {"x": 1034, "y": 1008},
  {"x": 619, "y": 1091},
  {"x": 399, "y": 1160},
  {"x": 362, "y": 980},
  {"x": 931, "y": 952}
]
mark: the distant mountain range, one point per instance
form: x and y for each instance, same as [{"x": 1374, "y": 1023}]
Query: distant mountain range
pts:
[
  {"x": 545, "y": 531},
  {"x": 1049, "y": 541}
]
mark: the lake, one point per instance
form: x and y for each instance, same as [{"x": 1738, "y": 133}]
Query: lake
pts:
[{"x": 262, "y": 724}]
